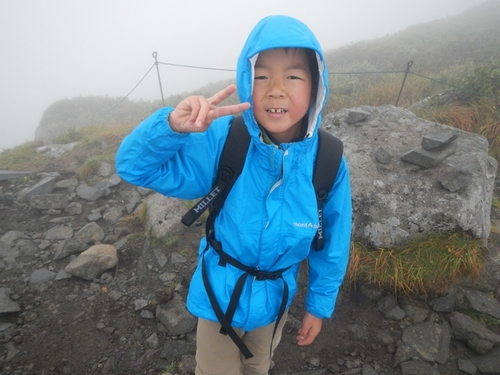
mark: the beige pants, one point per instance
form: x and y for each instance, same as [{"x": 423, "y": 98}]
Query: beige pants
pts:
[{"x": 217, "y": 354}]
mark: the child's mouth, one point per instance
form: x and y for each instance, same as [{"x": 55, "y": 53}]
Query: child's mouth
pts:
[{"x": 276, "y": 110}]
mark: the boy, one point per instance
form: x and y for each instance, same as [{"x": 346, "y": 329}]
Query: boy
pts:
[{"x": 270, "y": 217}]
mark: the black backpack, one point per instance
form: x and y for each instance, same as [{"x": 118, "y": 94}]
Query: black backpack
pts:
[{"x": 231, "y": 164}]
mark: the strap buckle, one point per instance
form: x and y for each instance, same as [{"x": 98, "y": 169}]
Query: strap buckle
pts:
[{"x": 265, "y": 275}]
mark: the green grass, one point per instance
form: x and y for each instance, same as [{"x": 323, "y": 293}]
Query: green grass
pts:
[
  {"x": 23, "y": 158},
  {"x": 426, "y": 265}
]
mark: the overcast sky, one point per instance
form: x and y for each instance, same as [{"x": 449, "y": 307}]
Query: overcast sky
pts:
[{"x": 56, "y": 49}]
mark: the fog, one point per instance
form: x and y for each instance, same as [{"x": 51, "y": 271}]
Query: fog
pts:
[{"x": 56, "y": 49}]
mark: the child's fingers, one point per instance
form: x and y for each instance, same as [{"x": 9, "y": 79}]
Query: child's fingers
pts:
[
  {"x": 230, "y": 109},
  {"x": 196, "y": 109},
  {"x": 196, "y": 113},
  {"x": 222, "y": 95}
]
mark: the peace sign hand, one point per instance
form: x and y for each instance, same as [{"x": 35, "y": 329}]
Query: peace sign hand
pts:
[{"x": 196, "y": 113}]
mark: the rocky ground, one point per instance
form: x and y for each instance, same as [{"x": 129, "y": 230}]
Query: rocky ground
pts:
[{"x": 55, "y": 323}]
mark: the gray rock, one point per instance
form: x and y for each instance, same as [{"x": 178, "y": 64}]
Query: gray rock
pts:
[
  {"x": 153, "y": 341},
  {"x": 41, "y": 275},
  {"x": 467, "y": 329},
  {"x": 69, "y": 247},
  {"x": 356, "y": 115},
  {"x": 90, "y": 233},
  {"x": 55, "y": 150},
  {"x": 45, "y": 186},
  {"x": 12, "y": 351},
  {"x": 5, "y": 326},
  {"x": 59, "y": 233},
  {"x": 164, "y": 215},
  {"x": 187, "y": 364},
  {"x": 146, "y": 314},
  {"x": 416, "y": 314},
  {"x": 144, "y": 191},
  {"x": 175, "y": 317},
  {"x": 65, "y": 184},
  {"x": 436, "y": 140},
  {"x": 121, "y": 242},
  {"x": 89, "y": 193},
  {"x": 108, "y": 183},
  {"x": 443, "y": 304},
  {"x": 74, "y": 208},
  {"x": 140, "y": 304},
  {"x": 177, "y": 258},
  {"x": 160, "y": 257},
  {"x": 428, "y": 159},
  {"x": 94, "y": 216},
  {"x": 11, "y": 236},
  {"x": 383, "y": 156},
  {"x": 93, "y": 262},
  {"x": 428, "y": 341},
  {"x": 62, "y": 275},
  {"x": 6, "y": 304},
  {"x": 49, "y": 201},
  {"x": 488, "y": 364},
  {"x": 388, "y": 306},
  {"x": 355, "y": 371},
  {"x": 359, "y": 331},
  {"x": 482, "y": 302},
  {"x": 368, "y": 370},
  {"x": 132, "y": 199},
  {"x": 105, "y": 169},
  {"x": 398, "y": 201},
  {"x": 454, "y": 178},
  {"x": 113, "y": 215},
  {"x": 480, "y": 346},
  {"x": 385, "y": 337},
  {"x": 418, "y": 368},
  {"x": 467, "y": 367},
  {"x": 371, "y": 292},
  {"x": 10, "y": 175},
  {"x": 15, "y": 244}
]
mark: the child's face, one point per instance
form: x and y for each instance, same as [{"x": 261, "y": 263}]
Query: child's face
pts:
[{"x": 282, "y": 91}]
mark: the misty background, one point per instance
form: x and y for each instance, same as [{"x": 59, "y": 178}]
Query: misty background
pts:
[{"x": 55, "y": 49}]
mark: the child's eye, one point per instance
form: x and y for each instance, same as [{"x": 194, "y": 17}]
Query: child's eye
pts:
[
  {"x": 294, "y": 77},
  {"x": 260, "y": 77}
]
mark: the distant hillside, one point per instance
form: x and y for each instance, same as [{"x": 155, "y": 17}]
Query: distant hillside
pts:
[
  {"x": 70, "y": 115},
  {"x": 63, "y": 119},
  {"x": 471, "y": 37}
]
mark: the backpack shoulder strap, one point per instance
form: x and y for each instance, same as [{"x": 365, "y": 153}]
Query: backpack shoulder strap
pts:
[
  {"x": 230, "y": 166},
  {"x": 330, "y": 150}
]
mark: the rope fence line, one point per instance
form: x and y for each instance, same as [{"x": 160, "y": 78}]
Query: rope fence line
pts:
[
  {"x": 406, "y": 73},
  {"x": 126, "y": 96}
]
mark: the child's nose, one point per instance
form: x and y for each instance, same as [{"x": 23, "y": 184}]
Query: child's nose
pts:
[{"x": 276, "y": 88}]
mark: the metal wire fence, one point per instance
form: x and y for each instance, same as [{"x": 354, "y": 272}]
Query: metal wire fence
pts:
[{"x": 405, "y": 74}]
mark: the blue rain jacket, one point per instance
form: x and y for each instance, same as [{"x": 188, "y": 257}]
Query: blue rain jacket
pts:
[{"x": 270, "y": 217}]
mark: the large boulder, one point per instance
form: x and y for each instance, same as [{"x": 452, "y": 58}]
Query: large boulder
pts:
[{"x": 411, "y": 177}]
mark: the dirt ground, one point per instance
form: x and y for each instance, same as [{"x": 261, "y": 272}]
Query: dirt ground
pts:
[{"x": 73, "y": 326}]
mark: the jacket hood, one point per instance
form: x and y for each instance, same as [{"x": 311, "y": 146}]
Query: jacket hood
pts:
[{"x": 279, "y": 32}]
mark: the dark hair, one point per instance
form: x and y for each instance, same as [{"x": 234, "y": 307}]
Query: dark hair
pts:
[{"x": 312, "y": 63}]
